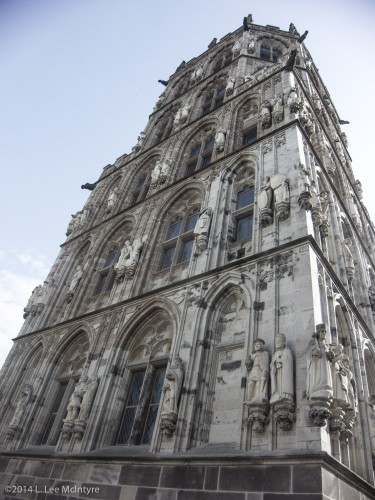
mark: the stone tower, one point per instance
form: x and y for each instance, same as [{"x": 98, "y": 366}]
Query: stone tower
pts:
[{"x": 207, "y": 329}]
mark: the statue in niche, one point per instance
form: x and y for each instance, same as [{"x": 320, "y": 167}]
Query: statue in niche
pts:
[
  {"x": 177, "y": 118},
  {"x": 320, "y": 355},
  {"x": 89, "y": 391},
  {"x": 29, "y": 306},
  {"x": 229, "y": 89},
  {"x": 129, "y": 258},
  {"x": 265, "y": 114},
  {"x": 278, "y": 108},
  {"x": 293, "y": 101},
  {"x": 160, "y": 101},
  {"x": 304, "y": 186},
  {"x": 112, "y": 198},
  {"x": 155, "y": 174},
  {"x": 344, "y": 139},
  {"x": 220, "y": 140},
  {"x": 340, "y": 151},
  {"x": 251, "y": 46},
  {"x": 236, "y": 48},
  {"x": 74, "y": 407},
  {"x": 359, "y": 189},
  {"x": 280, "y": 187},
  {"x": 202, "y": 229},
  {"x": 185, "y": 110},
  {"x": 20, "y": 409},
  {"x": 84, "y": 215},
  {"x": 257, "y": 365},
  {"x": 165, "y": 168},
  {"x": 73, "y": 224},
  {"x": 86, "y": 395},
  {"x": 281, "y": 369},
  {"x": 293, "y": 29},
  {"x": 340, "y": 379},
  {"x": 140, "y": 141},
  {"x": 348, "y": 258},
  {"x": 77, "y": 276},
  {"x": 265, "y": 201},
  {"x": 306, "y": 120},
  {"x": 316, "y": 212},
  {"x": 172, "y": 390}
]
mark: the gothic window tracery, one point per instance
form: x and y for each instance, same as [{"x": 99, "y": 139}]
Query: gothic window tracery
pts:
[
  {"x": 146, "y": 366},
  {"x": 213, "y": 98},
  {"x": 268, "y": 53},
  {"x": 200, "y": 155},
  {"x": 107, "y": 274}
]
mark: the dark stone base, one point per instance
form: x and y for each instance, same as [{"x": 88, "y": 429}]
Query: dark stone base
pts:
[{"x": 240, "y": 477}]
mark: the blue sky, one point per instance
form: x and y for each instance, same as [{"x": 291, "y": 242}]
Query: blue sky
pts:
[{"x": 79, "y": 79}]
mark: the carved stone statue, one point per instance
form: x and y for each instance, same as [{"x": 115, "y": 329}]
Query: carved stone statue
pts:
[
  {"x": 348, "y": 258},
  {"x": 172, "y": 390},
  {"x": 74, "y": 407},
  {"x": 236, "y": 48},
  {"x": 257, "y": 365},
  {"x": 229, "y": 89},
  {"x": 202, "y": 229},
  {"x": 140, "y": 141},
  {"x": 161, "y": 100},
  {"x": 155, "y": 174},
  {"x": 165, "y": 168},
  {"x": 87, "y": 398},
  {"x": 129, "y": 258},
  {"x": 340, "y": 151},
  {"x": 293, "y": 101},
  {"x": 185, "y": 110},
  {"x": 304, "y": 186},
  {"x": 319, "y": 379},
  {"x": 112, "y": 198},
  {"x": 278, "y": 109},
  {"x": 359, "y": 189},
  {"x": 281, "y": 369},
  {"x": 340, "y": 380},
  {"x": 77, "y": 276},
  {"x": 177, "y": 118},
  {"x": 20, "y": 409},
  {"x": 265, "y": 200},
  {"x": 265, "y": 114},
  {"x": 251, "y": 46},
  {"x": 29, "y": 306},
  {"x": 280, "y": 187},
  {"x": 73, "y": 224},
  {"x": 220, "y": 140}
]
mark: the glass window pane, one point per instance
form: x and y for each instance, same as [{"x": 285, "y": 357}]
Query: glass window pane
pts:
[
  {"x": 276, "y": 53},
  {"x": 250, "y": 136},
  {"x": 154, "y": 405},
  {"x": 244, "y": 227},
  {"x": 265, "y": 52},
  {"x": 219, "y": 101},
  {"x": 131, "y": 407},
  {"x": 186, "y": 250},
  {"x": 209, "y": 144},
  {"x": 167, "y": 258},
  {"x": 101, "y": 283},
  {"x": 141, "y": 181},
  {"x": 190, "y": 222},
  {"x": 195, "y": 151},
  {"x": 245, "y": 198},
  {"x": 206, "y": 160},
  {"x": 55, "y": 409},
  {"x": 135, "y": 197},
  {"x": 191, "y": 168},
  {"x": 110, "y": 258},
  {"x": 206, "y": 109},
  {"x": 174, "y": 229},
  {"x": 220, "y": 90}
]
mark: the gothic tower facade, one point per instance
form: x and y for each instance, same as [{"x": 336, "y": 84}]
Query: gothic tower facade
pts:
[{"x": 208, "y": 326}]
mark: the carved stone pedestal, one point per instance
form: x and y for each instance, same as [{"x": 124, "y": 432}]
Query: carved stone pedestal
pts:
[
  {"x": 168, "y": 423},
  {"x": 320, "y": 411},
  {"x": 304, "y": 200},
  {"x": 67, "y": 429},
  {"x": 202, "y": 242},
  {"x": 266, "y": 216},
  {"x": 258, "y": 416},
  {"x": 79, "y": 428},
  {"x": 283, "y": 413},
  {"x": 282, "y": 210},
  {"x": 324, "y": 231}
]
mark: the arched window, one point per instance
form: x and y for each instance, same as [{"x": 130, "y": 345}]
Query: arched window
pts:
[
  {"x": 200, "y": 155},
  {"x": 213, "y": 99},
  {"x": 243, "y": 213},
  {"x": 179, "y": 240},
  {"x": 146, "y": 368},
  {"x": 69, "y": 371},
  {"x": 141, "y": 187},
  {"x": 270, "y": 53},
  {"x": 222, "y": 59},
  {"x": 107, "y": 274},
  {"x": 165, "y": 127}
]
